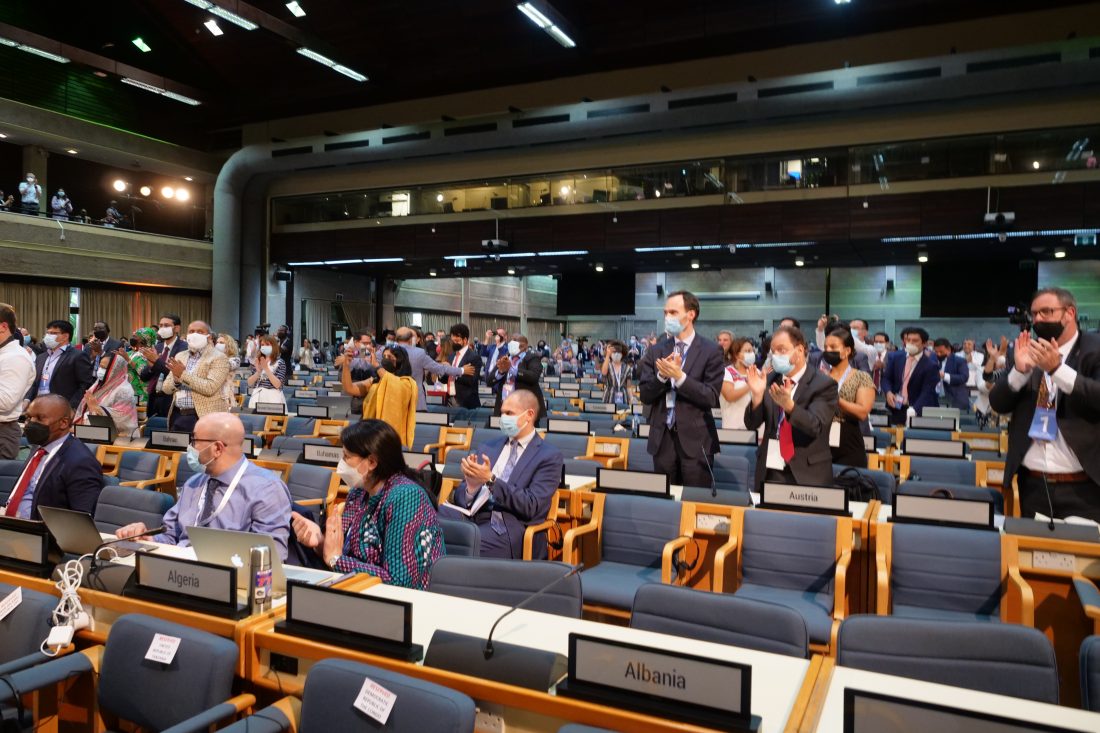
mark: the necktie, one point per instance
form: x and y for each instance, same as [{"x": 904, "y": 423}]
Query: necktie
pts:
[
  {"x": 910, "y": 364},
  {"x": 24, "y": 481},
  {"x": 496, "y": 519},
  {"x": 786, "y": 434},
  {"x": 212, "y": 486},
  {"x": 670, "y": 418}
]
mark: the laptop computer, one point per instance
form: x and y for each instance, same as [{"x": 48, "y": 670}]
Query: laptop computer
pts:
[
  {"x": 230, "y": 548},
  {"x": 76, "y": 533}
]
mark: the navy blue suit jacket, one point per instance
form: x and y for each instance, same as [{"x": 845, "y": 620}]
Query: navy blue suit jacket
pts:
[
  {"x": 71, "y": 377},
  {"x": 71, "y": 480},
  {"x": 922, "y": 383},
  {"x": 525, "y": 498},
  {"x": 955, "y": 367}
]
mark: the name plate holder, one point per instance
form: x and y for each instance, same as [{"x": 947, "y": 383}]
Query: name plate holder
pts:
[
  {"x": 169, "y": 440},
  {"x": 928, "y": 422},
  {"x": 568, "y": 394},
  {"x": 439, "y": 400},
  {"x": 432, "y": 418},
  {"x": 815, "y": 499},
  {"x": 188, "y": 584},
  {"x": 25, "y": 547},
  {"x": 295, "y": 383},
  {"x": 269, "y": 408},
  {"x": 347, "y": 619},
  {"x": 942, "y": 511},
  {"x": 321, "y": 455},
  {"x": 333, "y": 384},
  {"x": 601, "y": 407},
  {"x": 574, "y": 427},
  {"x": 417, "y": 461},
  {"x": 638, "y": 483},
  {"x": 713, "y": 693},
  {"x": 252, "y": 445},
  {"x": 871, "y": 711},
  {"x": 869, "y": 444},
  {"x": 643, "y": 430},
  {"x": 937, "y": 448},
  {"x": 305, "y": 394},
  {"x": 494, "y": 422},
  {"x": 94, "y": 434},
  {"x": 323, "y": 412},
  {"x": 737, "y": 436}
]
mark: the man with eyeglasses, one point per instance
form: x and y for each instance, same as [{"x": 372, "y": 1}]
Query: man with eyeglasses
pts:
[
  {"x": 1053, "y": 394},
  {"x": 227, "y": 491}
]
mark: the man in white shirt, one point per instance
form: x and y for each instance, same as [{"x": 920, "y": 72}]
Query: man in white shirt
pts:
[
  {"x": 974, "y": 361},
  {"x": 865, "y": 352},
  {"x": 16, "y": 378}
]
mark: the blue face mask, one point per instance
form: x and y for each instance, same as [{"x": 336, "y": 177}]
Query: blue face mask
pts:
[
  {"x": 27, "y": 339},
  {"x": 390, "y": 344},
  {"x": 673, "y": 326},
  {"x": 195, "y": 461},
  {"x": 781, "y": 363},
  {"x": 509, "y": 425}
]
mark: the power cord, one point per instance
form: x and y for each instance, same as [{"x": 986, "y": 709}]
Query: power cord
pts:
[{"x": 69, "y": 615}]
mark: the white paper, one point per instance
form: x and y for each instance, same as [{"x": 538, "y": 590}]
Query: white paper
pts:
[
  {"x": 375, "y": 700},
  {"x": 479, "y": 501},
  {"x": 834, "y": 435},
  {"x": 163, "y": 649},
  {"x": 775, "y": 460},
  {"x": 11, "y": 602}
]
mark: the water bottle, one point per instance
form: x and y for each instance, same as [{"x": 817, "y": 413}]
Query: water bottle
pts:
[{"x": 259, "y": 587}]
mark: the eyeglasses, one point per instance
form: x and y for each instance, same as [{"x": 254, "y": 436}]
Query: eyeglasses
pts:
[
  {"x": 1045, "y": 313},
  {"x": 195, "y": 439}
]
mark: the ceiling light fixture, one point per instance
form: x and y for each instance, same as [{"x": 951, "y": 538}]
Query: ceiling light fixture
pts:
[
  {"x": 161, "y": 92},
  {"x": 145, "y": 191},
  {"x": 224, "y": 14},
  {"x": 295, "y": 9},
  {"x": 326, "y": 61},
  {"x": 182, "y": 194},
  {"x": 544, "y": 23},
  {"x": 799, "y": 262},
  {"x": 922, "y": 257},
  {"x": 384, "y": 259},
  {"x": 141, "y": 44},
  {"x": 1059, "y": 253},
  {"x": 565, "y": 252},
  {"x": 36, "y": 51},
  {"x": 1035, "y": 164},
  {"x": 71, "y": 151},
  {"x": 188, "y": 178},
  {"x": 3, "y": 136},
  {"x": 511, "y": 271},
  {"x": 214, "y": 28},
  {"x": 168, "y": 192},
  {"x": 599, "y": 267},
  {"x": 432, "y": 272},
  {"x": 695, "y": 264},
  {"x": 119, "y": 185}
]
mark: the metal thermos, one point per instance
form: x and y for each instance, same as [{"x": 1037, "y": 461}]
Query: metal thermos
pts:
[{"x": 259, "y": 586}]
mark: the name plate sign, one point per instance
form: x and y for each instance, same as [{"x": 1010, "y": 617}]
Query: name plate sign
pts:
[
  {"x": 270, "y": 408},
  {"x": 354, "y": 619},
  {"x": 620, "y": 481},
  {"x": 567, "y": 393},
  {"x": 929, "y": 447},
  {"x": 586, "y": 380},
  {"x": 919, "y": 509},
  {"x": 333, "y": 384},
  {"x": 432, "y": 418},
  {"x": 576, "y": 427},
  {"x": 711, "y": 692},
  {"x": 321, "y": 411},
  {"x": 295, "y": 383},
  {"x": 737, "y": 436},
  {"x": 869, "y": 444},
  {"x": 643, "y": 431},
  {"x": 599, "y": 407},
  {"x": 823, "y": 499},
  {"x": 494, "y": 421},
  {"x": 169, "y": 440},
  {"x": 95, "y": 434},
  {"x": 874, "y": 712},
  {"x": 252, "y": 445},
  {"x": 24, "y": 545},
  {"x": 210, "y": 583},
  {"x": 926, "y": 422},
  {"x": 305, "y": 394},
  {"x": 324, "y": 455}
]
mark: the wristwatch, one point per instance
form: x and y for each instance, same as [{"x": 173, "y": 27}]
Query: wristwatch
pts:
[
  {"x": 331, "y": 561},
  {"x": 492, "y": 480}
]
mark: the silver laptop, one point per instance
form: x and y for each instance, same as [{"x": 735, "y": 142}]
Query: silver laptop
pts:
[
  {"x": 76, "y": 533},
  {"x": 234, "y": 549}
]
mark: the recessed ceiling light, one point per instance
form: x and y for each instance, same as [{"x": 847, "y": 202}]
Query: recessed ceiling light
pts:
[
  {"x": 100, "y": 74},
  {"x": 188, "y": 178},
  {"x": 120, "y": 185},
  {"x": 168, "y": 192},
  {"x": 799, "y": 262},
  {"x": 71, "y": 151},
  {"x": 511, "y": 271},
  {"x": 1059, "y": 253},
  {"x": 141, "y": 44},
  {"x": 145, "y": 191},
  {"x": 214, "y": 28},
  {"x": 295, "y": 9},
  {"x": 599, "y": 267},
  {"x": 695, "y": 264},
  {"x": 1035, "y": 164},
  {"x": 3, "y": 136},
  {"x": 922, "y": 258},
  {"x": 432, "y": 272}
]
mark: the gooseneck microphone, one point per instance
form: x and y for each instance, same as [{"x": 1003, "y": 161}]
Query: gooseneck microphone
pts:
[{"x": 488, "y": 650}]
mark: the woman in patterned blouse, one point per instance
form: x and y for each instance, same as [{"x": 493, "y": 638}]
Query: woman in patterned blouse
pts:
[{"x": 388, "y": 525}]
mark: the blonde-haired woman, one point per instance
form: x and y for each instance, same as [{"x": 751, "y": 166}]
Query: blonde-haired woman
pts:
[{"x": 228, "y": 346}]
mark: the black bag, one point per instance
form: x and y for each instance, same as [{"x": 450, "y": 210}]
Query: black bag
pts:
[
  {"x": 429, "y": 479},
  {"x": 860, "y": 487}
]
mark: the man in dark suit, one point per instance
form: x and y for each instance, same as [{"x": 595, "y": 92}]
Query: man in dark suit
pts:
[
  {"x": 1053, "y": 393},
  {"x": 910, "y": 377},
  {"x": 463, "y": 390},
  {"x": 680, "y": 379},
  {"x": 101, "y": 342},
  {"x": 170, "y": 344},
  {"x": 286, "y": 345},
  {"x": 510, "y": 482},
  {"x": 496, "y": 346},
  {"x": 796, "y": 405},
  {"x": 421, "y": 363},
  {"x": 61, "y": 369},
  {"x": 520, "y": 369},
  {"x": 61, "y": 471},
  {"x": 954, "y": 373}
]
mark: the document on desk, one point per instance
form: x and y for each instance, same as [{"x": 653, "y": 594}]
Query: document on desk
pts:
[{"x": 479, "y": 501}]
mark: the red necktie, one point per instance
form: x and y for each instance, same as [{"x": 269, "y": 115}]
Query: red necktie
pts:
[
  {"x": 25, "y": 481},
  {"x": 786, "y": 435}
]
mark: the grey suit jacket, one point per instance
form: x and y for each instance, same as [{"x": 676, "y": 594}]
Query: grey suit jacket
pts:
[{"x": 420, "y": 363}]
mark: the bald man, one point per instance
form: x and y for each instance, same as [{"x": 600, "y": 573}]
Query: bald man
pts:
[
  {"x": 60, "y": 471},
  {"x": 196, "y": 379},
  {"x": 226, "y": 492},
  {"x": 421, "y": 362},
  {"x": 518, "y": 474}
]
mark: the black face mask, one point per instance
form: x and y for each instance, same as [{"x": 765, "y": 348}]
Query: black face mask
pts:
[
  {"x": 134, "y": 343},
  {"x": 36, "y": 433},
  {"x": 390, "y": 365},
  {"x": 832, "y": 358},
  {"x": 1048, "y": 329},
  {"x": 101, "y": 335}
]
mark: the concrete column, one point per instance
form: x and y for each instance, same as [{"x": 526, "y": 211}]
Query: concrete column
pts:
[
  {"x": 34, "y": 161},
  {"x": 464, "y": 307},
  {"x": 523, "y": 305}
]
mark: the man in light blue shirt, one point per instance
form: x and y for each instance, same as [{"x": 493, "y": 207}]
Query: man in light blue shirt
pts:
[{"x": 227, "y": 492}]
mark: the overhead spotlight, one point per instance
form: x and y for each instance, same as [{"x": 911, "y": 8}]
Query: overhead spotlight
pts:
[
  {"x": 439, "y": 198},
  {"x": 799, "y": 262},
  {"x": 842, "y": 2},
  {"x": 922, "y": 257},
  {"x": 119, "y": 185},
  {"x": 1035, "y": 164},
  {"x": 3, "y": 136},
  {"x": 168, "y": 192},
  {"x": 432, "y": 272},
  {"x": 433, "y": 230},
  {"x": 615, "y": 219},
  {"x": 1059, "y": 253},
  {"x": 695, "y": 264},
  {"x": 214, "y": 28},
  {"x": 295, "y": 9},
  {"x": 511, "y": 271},
  {"x": 657, "y": 193},
  {"x": 71, "y": 151},
  {"x": 188, "y": 178},
  {"x": 565, "y": 190},
  {"x": 865, "y": 203},
  {"x": 182, "y": 194},
  {"x": 145, "y": 191},
  {"x": 599, "y": 267}
]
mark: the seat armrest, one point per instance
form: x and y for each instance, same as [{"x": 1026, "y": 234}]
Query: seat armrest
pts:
[
  {"x": 207, "y": 718},
  {"x": 719, "y": 582},
  {"x": 1019, "y": 586},
  {"x": 570, "y": 540},
  {"x": 604, "y": 461},
  {"x": 668, "y": 557},
  {"x": 44, "y": 675},
  {"x": 277, "y": 718},
  {"x": 840, "y": 587},
  {"x": 1090, "y": 599},
  {"x": 30, "y": 660},
  {"x": 310, "y": 502},
  {"x": 529, "y": 535},
  {"x": 882, "y": 585},
  {"x": 153, "y": 483}
]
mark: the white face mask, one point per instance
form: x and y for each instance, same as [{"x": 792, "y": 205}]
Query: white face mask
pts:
[
  {"x": 50, "y": 341},
  {"x": 880, "y": 347},
  {"x": 266, "y": 349},
  {"x": 166, "y": 332},
  {"x": 349, "y": 474},
  {"x": 912, "y": 349},
  {"x": 197, "y": 341},
  {"x": 220, "y": 347},
  {"x": 513, "y": 348},
  {"x": 101, "y": 374},
  {"x": 616, "y": 357},
  {"x": 748, "y": 358}
]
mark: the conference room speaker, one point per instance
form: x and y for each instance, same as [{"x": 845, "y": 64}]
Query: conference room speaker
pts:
[
  {"x": 510, "y": 664},
  {"x": 660, "y": 291},
  {"x": 283, "y": 275}
]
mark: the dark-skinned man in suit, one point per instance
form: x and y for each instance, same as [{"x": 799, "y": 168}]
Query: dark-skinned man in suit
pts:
[
  {"x": 679, "y": 382},
  {"x": 463, "y": 390}
]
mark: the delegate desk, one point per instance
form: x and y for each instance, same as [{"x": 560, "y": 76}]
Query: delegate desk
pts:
[
  {"x": 781, "y": 685},
  {"x": 826, "y": 710}
]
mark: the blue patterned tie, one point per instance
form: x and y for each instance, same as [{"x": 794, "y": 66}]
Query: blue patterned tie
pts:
[
  {"x": 496, "y": 519},
  {"x": 670, "y": 418}
]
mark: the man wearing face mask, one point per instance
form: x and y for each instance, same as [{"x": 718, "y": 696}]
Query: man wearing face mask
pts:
[
  {"x": 680, "y": 379},
  {"x": 286, "y": 345},
  {"x": 196, "y": 380},
  {"x": 170, "y": 344},
  {"x": 101, "y": 341},
  {"x": 519, "y": 369},
  {"x": 865, "y": 352},
  {"x": 493, "y": 350},
  {"x": 420, "y": 362},
  {"x": 29, "y": 194},
  {"x": 882, "y": 348},
  {"x": 510, "y": 482},
  {"x": 227, "y": 491},
  {"x": 910, "y": 377},
  {"x": 60, "y": 472},
  {"x": 1053, "y": 394},
  {"x": 61, "y": 369},
  {"x": 953, "y": 374},
  {"x": 796, "y": 406},
  {"x": 16, "y": 378}
]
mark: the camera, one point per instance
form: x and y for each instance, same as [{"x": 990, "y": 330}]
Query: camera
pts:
[{"x": 1019, "y": 315}]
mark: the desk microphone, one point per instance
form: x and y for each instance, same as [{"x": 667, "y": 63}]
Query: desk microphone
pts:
[{"x": 488, "y": 651}]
